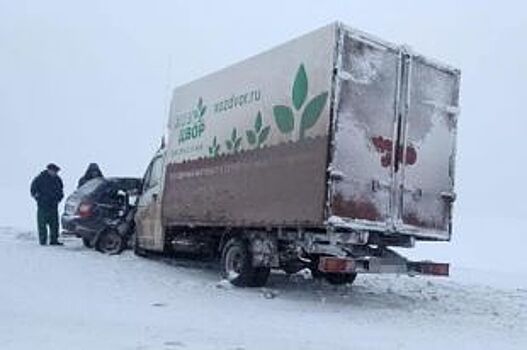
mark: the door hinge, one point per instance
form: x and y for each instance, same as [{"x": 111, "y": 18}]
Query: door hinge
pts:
[{"x": 448, "y": 196}]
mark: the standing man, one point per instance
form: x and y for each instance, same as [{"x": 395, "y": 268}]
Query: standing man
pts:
[{"x": 46, "y": 189}]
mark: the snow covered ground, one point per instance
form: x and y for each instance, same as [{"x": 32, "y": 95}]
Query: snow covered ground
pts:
[{"x": 73, "y": 298}]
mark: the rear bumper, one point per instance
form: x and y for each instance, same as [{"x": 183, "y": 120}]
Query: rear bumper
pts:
[
  {"x": 399, "y": 265},
  {"x": 75, "y": 226}
]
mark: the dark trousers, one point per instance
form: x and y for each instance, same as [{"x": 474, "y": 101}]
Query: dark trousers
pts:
[{"x": 48, "y": 217}]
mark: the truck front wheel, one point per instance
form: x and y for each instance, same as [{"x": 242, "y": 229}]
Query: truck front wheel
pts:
[{"x": 237, "y": 268}]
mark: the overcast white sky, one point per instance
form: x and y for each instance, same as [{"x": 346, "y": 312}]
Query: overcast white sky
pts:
[{"x": 84, "y": 81}]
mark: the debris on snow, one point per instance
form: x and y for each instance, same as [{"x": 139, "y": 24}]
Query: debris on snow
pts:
[
  {"x": 269, "y": 293},
  {"x": 224, "y": 284}
]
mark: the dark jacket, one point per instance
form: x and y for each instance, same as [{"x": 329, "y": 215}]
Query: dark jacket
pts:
[
  {"x": 47, "y": 190},
  {"x": 92, "y": 172}
]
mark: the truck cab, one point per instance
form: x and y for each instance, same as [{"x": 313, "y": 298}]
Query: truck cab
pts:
[{"x": 149, "y": 229}]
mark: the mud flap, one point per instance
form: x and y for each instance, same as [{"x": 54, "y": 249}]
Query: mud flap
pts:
[
  {"x": 264, "y": 250},
  {"x": 391, "y": 264}
]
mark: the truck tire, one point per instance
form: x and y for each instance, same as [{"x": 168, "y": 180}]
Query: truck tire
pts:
[
  {"x": 110, "y": 242},
  {"x": 338, "y": 279},
  {"x": 237, "y": 268},
  {"x": 87, "y": 242}
]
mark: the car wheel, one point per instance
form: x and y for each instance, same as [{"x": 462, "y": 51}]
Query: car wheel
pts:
[
  {"x": 237, "y": 268},
  {"x": 110, "y": 242}
]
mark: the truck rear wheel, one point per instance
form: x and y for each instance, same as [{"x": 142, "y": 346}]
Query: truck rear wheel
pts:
[{"x": 237, "y": 268}]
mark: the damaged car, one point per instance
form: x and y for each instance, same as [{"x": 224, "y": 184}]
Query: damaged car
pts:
[{"x": 101, "y": 213}]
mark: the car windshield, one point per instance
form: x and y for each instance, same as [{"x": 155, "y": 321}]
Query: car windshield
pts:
[{"x": 90, "y": 186}]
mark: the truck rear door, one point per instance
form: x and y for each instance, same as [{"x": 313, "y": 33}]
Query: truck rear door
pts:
[
  {"x": 394, "y": 127},
  {"x": 427, "y": 147},
  {"x": 364, "y": 128}
]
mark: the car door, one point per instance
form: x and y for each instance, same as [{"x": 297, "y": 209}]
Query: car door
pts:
[{"x": 148, "y": 217}]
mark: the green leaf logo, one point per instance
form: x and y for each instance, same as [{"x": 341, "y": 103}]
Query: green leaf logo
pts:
[
  {"x": 200, "y": 109},
  {"x": 285, "y": 120},
  {"x": 263, "y": 135},
  {"x": 284, "y": 116},
  {"x": 251, "y": 137},
  {"x": 214, "y": 149},
  {"x": 312, "y": 112},
  {"x": 258, "y": 122},
  {"x": 300, "y": 87},
  {"x": 233, "y": 144},
  {"x": 258, "y": 136},
  {"x": 237, "y": 144}
]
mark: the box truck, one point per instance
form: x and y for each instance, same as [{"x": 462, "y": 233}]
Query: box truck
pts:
[{"x": 324, "y": 153}]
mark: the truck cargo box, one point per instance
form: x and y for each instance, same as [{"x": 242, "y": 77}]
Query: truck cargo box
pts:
[{"x": 335, "y": 129}]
